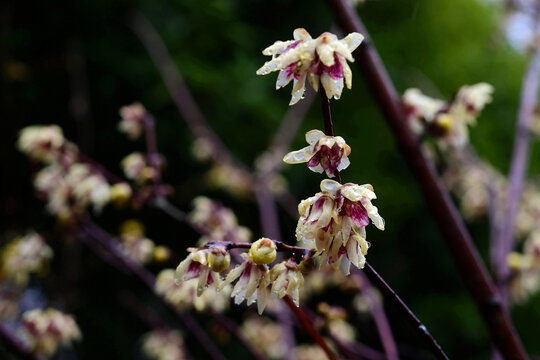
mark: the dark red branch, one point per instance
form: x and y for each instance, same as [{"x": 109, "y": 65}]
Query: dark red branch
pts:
[
  {"x": 305, "y": 322},
  {"x": 459, "y": 241},
  {"x": 328, "y": 125}
]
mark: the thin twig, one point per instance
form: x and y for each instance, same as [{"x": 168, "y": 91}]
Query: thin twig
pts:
[
  {"x": 459, "y": 241},
  {"x": 309, "y": 328},
  {"x": 411, "y": 318},
  {"x": 518, "y": 169}
]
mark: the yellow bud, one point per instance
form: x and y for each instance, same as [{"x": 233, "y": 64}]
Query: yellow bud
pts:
[
  {"x": 263, "y": 251},
  {"x": 218, "y": 259},
  {"x": 120, "y": 194},
  {"x": 161, "y": 254},
  {"x": 444, "y": 121},
  {"x": 132, "y": 228}
]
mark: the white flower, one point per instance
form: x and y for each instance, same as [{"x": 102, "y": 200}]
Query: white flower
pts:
[
  {"x": 43, "y": 143},
  {"x": 324, "y": 58},
  {"x": 132, "y": 120},
  {"x": 324, "y": 153}
]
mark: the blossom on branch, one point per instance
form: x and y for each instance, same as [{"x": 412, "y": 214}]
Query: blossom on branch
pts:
[
  {"x": 132, "y": 122},
  {"x": 164, "y": 345},
  {"x": 322, "y": 59},
  {"x": 42, "y": 143},
  {"x": 334, "y": 220},
  {"x": 324, "y": 153}
]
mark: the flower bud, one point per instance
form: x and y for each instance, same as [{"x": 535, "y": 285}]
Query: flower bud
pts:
[
  {"x": 263, "y": 251},
  {"x": 218, "y": 258},
  {"x": 120, "y": 194}
]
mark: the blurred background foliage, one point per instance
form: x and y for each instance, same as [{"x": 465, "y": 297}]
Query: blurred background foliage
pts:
[{"x": 75, "y": 63}]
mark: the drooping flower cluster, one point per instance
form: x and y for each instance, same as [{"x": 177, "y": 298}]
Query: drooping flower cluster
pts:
[
  {"x": 448, "y": 121},
  {"x": 132, "y": 122},
  {"x": 217, "y": 221},
  {"x": 23, "y": 256},
  {"x": 334, "y": 220},
  {"x": 324, "y": 153},
  {"x": 46, "y": 330},
  {"x": 322, "y": 59},
  {"x": 164, "y": 345}
]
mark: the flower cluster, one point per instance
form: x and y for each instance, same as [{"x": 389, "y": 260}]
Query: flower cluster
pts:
[
  {"x": 41, "y": 143},
  {"x": 217, "y": 221},
  {"x": 24, "y": 256},
  {"x": 266, "y": 336},
  {"x": 132, "y": 122},
  {"x": 322, "y": 59},
  {"x": 526, "y": 268},
  {"x": 46, "y": 330},
  {"x": 164, "y": 345},
  {"x": 183, "y": 296},
  {"x": 447, "y": 121},
  {"x": 334, "y": 220},
  {"x": 324, "y": 153},
  {"x": 136, "y": 167}
]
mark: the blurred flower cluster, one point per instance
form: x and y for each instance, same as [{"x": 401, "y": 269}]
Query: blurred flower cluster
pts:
[
  {"x": 447, "y": 121},
  {"x": 164, "y": 345},
  {"x": 46, "y": 330}
]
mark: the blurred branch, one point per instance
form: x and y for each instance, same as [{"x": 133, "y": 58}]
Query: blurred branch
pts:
[
  {"x": 380, "y": 319},
  {"x": 15, "y": 345},
  {"x": 95, "y": 238},
  {"x": 459, "y": 241},
  {"x": 518, "y": 169}
]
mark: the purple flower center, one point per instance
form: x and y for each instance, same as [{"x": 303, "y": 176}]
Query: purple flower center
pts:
[
  {"x": 328, "y": 158},
  {"x": 356, "y": 211}
]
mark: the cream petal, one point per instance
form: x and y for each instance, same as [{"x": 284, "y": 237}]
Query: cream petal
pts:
[
  {"x": 262, "y": 299},
  {"x": 373, "y": 214},
  {"x": 283, "y": 79},
  {"x": 345, "y": 162},
  {"x": 301, "y": 34},
  {"x": 329, "y": 86},
  {"x": 203, "y": 279},
  {"x": 313, "y": 136},
  {"x": 314, "y": 81},
  {"x": 353, "y": 40},
  {"x": 233, "y": 275},
  {"x": 298, "y": 89},
  {"x": 330, "y": 186},
  {"x": 343, "y": 50},
  {"x": 352, "y": 252},
  {"x": 318, "y": 169},
  {"x": 347, "y": 73},
  {"x": 277, "y": 48},
  {"x": 299, "y": 156},
  {"x": 269, "y": 66},
  {"x": 326, "y": 54}
]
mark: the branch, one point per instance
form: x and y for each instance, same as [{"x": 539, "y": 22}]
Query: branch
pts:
[
  {"x": 459, "y": 241},
  {"x": 15, "y": 345},
  {"x": 518, "y": 169},
  {"x": 309, "y": 328}
]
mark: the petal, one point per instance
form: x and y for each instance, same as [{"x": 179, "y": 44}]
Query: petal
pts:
[
  {"x": 345, "y": 162},
  {"x": 353, "y": 40},
  {"x": 301, "y": 34},
  {"x": 299, "y": 156},
  {"x": 314, "y": 81},
  {"x": 330, "y": 186},
  {"x": 298, "y": 89},
  {"x": 318, "y": 169},
  {"x": 269, "y": 66},
  {"x": 313, "y": 136},
  {"x": 277, "y": 48},
  {"x": 284, "y": 78},
  {"x": 326, "y": 54},
  {"x": 262, "y": 299},
  {"x": 347, "y": 73}
]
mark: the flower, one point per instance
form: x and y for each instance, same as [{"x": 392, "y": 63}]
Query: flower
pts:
[
  {"x": 334, "y": 222},
  {"x": 164, "y": 345},
  {"x": 205, "y": 265},
  {"x": 447, "y": 121},
  {"x": 46, "y": 330},
  {"x": 526, "y": 269},
  {"x": 136, "y": 168},
  {"x": 120, "y": 194},
  {"x": 24, "y": 256},
  {"x": 286, "y": 279},
  {"x": 322, "y": 59},
  {"x": 252, "y": 284},
  {"x": 43, "y": 143},
  {"x": 184, "y": 295},
  {"x": 324, "y": 153},
  {"x": 132, "y": 122},
  {"x": 263, "y": 251}
]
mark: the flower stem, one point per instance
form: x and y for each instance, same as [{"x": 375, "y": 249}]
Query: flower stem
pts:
[
  {"x": 305, "y": 322},
  {"x": 465, "y": 255},
  {"x": 328, "y": 126}
]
